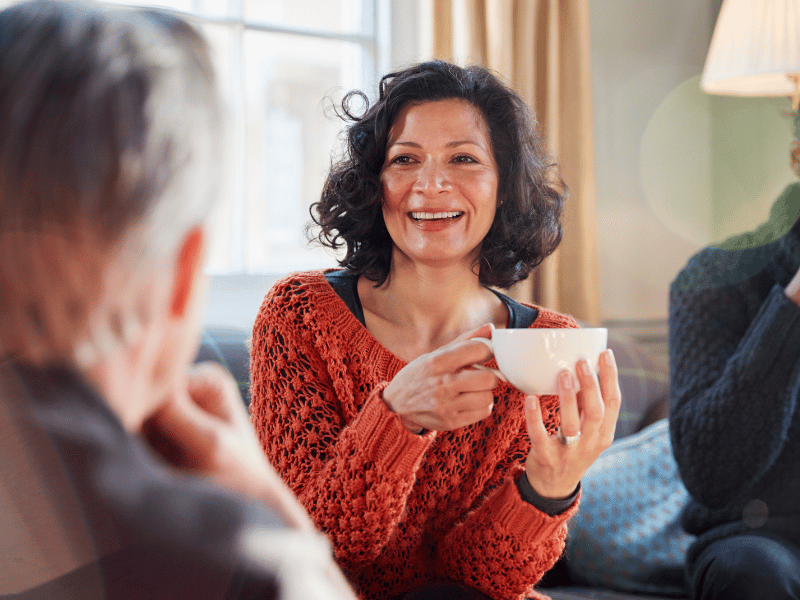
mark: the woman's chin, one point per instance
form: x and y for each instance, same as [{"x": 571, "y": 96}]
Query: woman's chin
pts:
[{"x": 439, "y": 258}]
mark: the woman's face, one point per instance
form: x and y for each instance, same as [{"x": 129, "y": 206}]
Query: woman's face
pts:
[{"x": 439, "y": 182}]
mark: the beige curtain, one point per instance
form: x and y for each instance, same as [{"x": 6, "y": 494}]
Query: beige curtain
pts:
[{"x": 541, "y": 47}]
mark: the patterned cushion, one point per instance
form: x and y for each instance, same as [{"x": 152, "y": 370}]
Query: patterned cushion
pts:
[
  {"x": 644, "y": 385},
  {"x": 627, "y": 535}
]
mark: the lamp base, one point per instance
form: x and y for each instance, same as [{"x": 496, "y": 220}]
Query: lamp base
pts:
[{"x": 794, "y": 154}]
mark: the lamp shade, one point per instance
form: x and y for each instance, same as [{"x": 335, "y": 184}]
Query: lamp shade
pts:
[{"x": 756, "y": 43}]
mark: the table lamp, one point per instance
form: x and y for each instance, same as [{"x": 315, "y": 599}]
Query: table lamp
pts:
[{"x": 755, "y": 51}]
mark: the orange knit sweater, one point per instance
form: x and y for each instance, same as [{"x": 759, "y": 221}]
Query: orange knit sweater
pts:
[{"x": 400, "y": 509}]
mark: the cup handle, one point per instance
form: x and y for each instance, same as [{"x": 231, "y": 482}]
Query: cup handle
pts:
[{"x": 488, "y": 343}]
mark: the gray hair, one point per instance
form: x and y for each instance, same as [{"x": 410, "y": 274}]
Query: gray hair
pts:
[{"x": 109, "y": 141}]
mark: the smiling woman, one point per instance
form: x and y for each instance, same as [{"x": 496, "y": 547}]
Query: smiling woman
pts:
[{"x": 431, "y": 478}]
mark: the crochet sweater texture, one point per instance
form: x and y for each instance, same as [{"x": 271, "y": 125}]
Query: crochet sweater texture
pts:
[
  {"x": 735, "y": 384},
  {"x": 401, "y": 509}
]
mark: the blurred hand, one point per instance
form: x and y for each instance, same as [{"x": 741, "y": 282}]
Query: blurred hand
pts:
[
  {"x": 793, "y": 289},
  {"x": 205, "y": 428},
  {"x": 553, "y": 468},
  {"x": 438, "y": 391}
]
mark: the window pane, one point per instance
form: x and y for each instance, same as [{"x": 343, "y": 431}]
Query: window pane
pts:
[
  {"x": 182, "y": 5},
  {"x": 225, "y": 236},
  {"x": 214, "y": 8},
  {"x": 278, "y": 90},
  {"x": 347, "y": 16},
  {"x": 290, "y": 134}
]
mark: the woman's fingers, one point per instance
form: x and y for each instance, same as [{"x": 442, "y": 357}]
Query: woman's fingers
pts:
[
  {"x": 455, "y": 357},
  {"x": 568, "y": 404},
  {"x": 554, "y": 468},
  {"x": 550, "y": 466},
  {"x": 591, "y": 399},
  {"x": 473, "y": 407},
  {"x": 435, "y": 391},
  {"x": 535, "y": 423},
  {"x": 473, "y": 380},
  {"x": 457, "y": 411},
  {"x": 612, "y": 396},
  {"x": 453, "y": 412}
]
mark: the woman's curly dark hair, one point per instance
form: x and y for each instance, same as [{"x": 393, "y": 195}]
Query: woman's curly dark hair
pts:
[{"x": 527, "y": 225}]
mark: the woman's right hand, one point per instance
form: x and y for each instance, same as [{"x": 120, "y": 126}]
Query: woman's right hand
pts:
[{"x": 438, "y": 391}]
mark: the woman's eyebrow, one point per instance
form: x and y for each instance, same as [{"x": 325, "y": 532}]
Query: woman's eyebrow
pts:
[
  {"x": 449, "y": 144},
  {"x": 465, "y": 142}
]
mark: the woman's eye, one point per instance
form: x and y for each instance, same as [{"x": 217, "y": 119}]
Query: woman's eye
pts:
[
  {"x": 402, "y": 159},
  {"x": 464, "y": 158}
]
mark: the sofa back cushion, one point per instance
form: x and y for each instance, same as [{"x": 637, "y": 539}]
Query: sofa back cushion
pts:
[
  {"x": 229, "y": 347},
  {"x": 644, "y": 383}
]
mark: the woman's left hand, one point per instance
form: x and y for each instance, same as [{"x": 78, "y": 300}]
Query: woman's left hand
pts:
[{"x": 554, "y": 468}]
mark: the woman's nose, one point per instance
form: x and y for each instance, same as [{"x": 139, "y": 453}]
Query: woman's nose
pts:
[{"x": 431, "y": 178}]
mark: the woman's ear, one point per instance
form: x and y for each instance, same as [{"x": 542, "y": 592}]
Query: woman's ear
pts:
[{"x": 188, "y": 263}]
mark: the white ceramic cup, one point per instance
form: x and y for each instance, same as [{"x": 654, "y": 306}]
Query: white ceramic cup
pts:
[{"x": 531, "y": 359}]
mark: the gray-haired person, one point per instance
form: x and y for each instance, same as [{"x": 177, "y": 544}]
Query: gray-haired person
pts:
[{"x": 125, "y": 473}]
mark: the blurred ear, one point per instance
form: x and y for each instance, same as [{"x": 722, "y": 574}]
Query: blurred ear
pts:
[{"x": 187, "y": 268}]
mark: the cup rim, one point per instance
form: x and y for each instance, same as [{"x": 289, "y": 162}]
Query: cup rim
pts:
[{"x": 548, "y": 329}]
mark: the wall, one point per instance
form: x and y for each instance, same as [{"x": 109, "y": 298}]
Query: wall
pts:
[
  {"x": 677, "y": 169},
  {"x": 750, "y": 160},
  {"x": 641, "y": 53}
]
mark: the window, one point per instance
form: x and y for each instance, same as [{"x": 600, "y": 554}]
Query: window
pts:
[
  {"x": 277, "y": 61},
  {"x": 281, "y": 64}
]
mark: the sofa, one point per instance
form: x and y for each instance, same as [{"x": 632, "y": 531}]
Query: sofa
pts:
[{"x": 644, "y": 384}]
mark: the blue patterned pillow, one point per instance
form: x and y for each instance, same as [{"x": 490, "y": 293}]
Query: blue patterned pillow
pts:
[{"x": 627, "y": 535}]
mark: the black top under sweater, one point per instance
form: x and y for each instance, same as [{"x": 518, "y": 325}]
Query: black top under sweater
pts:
[{"x": 735, "y": 386}]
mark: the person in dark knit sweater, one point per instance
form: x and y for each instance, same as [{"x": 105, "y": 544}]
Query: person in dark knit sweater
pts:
[{"x": 735, "y": 418}]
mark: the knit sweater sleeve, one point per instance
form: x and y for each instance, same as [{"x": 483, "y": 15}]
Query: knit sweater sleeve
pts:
[
  {"x": 351, "y": 469},
  {"x": 505, "y": 545},
  {"x": 734, "y": 353}
]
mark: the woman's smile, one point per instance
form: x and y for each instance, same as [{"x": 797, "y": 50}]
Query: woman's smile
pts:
[
  {"x": 439, "y": 216},
  {"x": 435, "y": 221}
]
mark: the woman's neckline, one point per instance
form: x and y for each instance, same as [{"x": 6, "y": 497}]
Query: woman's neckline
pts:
[{"x": 345, "y": 284}]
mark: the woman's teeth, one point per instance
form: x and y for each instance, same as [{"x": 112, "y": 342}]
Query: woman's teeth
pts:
[{"x": 422, "y": 216}]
